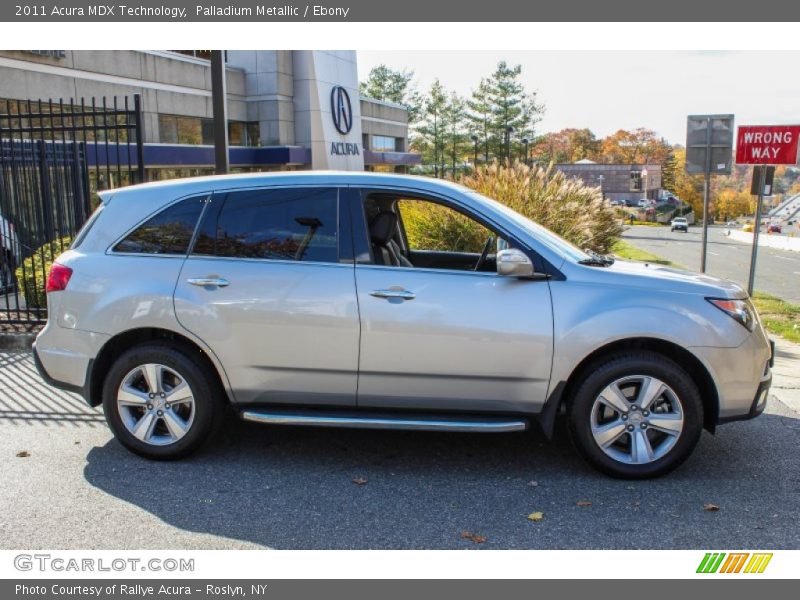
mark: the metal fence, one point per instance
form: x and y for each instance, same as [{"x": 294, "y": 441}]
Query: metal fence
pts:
[{"x": 54, "y": 157}]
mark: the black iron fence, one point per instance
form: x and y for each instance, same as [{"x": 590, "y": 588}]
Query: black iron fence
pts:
[{"x": 54, "y": 157}]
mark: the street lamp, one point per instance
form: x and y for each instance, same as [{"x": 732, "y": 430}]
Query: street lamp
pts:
[
  {"x": 474, "y": 139},
  {"x": 509, "y": 131},
  {"x": 526, "y": 141}
]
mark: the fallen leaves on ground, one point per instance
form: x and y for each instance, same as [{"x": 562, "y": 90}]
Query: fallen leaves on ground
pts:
[
  {"x": 536, "y": 516},
  {"x": 360, "y": 480},
  {"x": 584, "y": 502},
  {"x": 473, "y": 537},
  {"x": 23, "y": 454},
  {"x": 710, "y": 507}
]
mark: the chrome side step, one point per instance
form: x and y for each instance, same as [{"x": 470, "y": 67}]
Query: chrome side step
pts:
[{"x": 401, "y": 421}]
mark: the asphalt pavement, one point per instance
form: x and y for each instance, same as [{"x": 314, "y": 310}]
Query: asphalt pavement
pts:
[
  {"x": 68, "y": 484},
  {"x": 777, "y": 271}
]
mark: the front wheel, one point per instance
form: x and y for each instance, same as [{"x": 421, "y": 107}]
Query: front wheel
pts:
[
  {"x": 159, "y": 402},
  {"x": 636, "y": 415}
]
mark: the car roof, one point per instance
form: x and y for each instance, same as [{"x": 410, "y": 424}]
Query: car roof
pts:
[{"x": 191, "y": 185}]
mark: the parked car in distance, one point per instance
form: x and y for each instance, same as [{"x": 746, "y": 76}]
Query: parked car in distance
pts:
[
  {"x": 302, "y": 299},
  {"x": 774, "y": 228},
  {"x": 616, "y": 202},
  {"x": 679, "y": 224}
]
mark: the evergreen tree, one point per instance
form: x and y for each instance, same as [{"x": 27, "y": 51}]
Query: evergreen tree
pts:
[
  {"x": 454, "y": 118},
  {"x": 514, "y": 111},
  {"x": 430, "y": 139},
  {"x": 479, "y": 113},
  {"x": 389, "y": 85}
]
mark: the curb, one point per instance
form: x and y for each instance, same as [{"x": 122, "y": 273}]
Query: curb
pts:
[{"x": 16, "y": 342}]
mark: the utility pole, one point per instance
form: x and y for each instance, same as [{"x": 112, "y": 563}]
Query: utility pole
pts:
[{"x": 219, "y": 100}]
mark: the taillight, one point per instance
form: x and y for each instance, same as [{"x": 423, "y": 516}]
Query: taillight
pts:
[{"x": 58, "y": 278}]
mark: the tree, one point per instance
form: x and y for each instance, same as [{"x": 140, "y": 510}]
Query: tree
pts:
[
  {"x": 389, "y": 85},
  {"x": 566, "y": 146},
  {"x": 669, "y": 171},
  {"x": 453, "y": 122},
  {"x": 479, "y": 113},
  {"x": 432, "y": 127},
  {"x": 688, "y": 188},
  {"x": 639, "y": 146},
  {"x": 513, "y": 110}
]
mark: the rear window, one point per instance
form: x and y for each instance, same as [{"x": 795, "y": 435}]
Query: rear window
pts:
[
  {"x": 83, "y": 232},
  {"x": 169, "y": 232}
]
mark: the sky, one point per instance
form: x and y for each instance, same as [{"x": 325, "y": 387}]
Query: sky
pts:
[{"x": 610, "y": 90}]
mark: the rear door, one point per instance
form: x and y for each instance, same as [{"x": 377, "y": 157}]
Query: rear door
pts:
[{"x": 269, "y": 288}]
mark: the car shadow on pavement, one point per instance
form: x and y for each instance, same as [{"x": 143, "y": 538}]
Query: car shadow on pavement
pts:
[{"x": 304, "y": 488}]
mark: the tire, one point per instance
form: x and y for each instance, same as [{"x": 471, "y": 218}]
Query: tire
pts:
[
  {"x": 663, "y": 435},
  {"x": 166, "y": 430}
]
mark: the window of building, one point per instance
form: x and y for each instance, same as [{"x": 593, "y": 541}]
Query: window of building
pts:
[
  {"x": 205, "y": 54},
  {"x": 284, "y": 224},
  {"x": 636, "y": 181},
  {"x": 384, "y": 143},
  {"x": 176, "y": 129},
  {"x": 169, "y": 232}
]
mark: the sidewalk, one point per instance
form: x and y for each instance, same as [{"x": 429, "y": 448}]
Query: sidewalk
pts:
[{"x": 786, "y": 373}]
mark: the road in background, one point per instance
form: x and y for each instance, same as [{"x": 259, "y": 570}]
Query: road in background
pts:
[{"x": 777, "y": 272}]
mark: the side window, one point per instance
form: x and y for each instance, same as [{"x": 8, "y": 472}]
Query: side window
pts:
[
  {"x": 431, "y": 226},
  {"x": 286, "y": 224},
  {"x": 169, "y": 232}
]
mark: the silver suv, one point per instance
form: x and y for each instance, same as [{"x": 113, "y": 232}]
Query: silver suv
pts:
[{"x": 346, "y": 300}]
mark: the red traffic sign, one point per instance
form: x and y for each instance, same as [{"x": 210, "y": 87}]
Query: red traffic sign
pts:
[{"x": 767, "y": 144}]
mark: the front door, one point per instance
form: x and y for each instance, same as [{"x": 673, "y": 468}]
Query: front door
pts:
[
  {"x": 439, "y": 334},
  {"x": 264, "y": 288}
]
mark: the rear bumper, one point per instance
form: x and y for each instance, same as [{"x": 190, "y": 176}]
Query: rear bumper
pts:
[
  {"x": 64, "y": 357},
  {"x": 68, "y": 387}
]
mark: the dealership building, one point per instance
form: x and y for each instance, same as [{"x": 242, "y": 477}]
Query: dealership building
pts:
[{"x": 287, "y": 109}]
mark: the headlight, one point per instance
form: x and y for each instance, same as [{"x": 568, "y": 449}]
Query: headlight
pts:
[{"x": 741, "y": 310}]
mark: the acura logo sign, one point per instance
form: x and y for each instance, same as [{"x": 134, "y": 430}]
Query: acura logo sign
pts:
[{"x": 341, "y": 110}]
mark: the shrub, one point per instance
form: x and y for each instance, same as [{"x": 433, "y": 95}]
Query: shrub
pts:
[
  {"x": 564, "y": 205},
  {"x": 433, "y": 227},
  {"x": 32, "y": 274}
]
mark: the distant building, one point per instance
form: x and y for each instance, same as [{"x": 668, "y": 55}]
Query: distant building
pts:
[
  {"x": 280, "y": 106},
  {"x": 627, "y": 183}
]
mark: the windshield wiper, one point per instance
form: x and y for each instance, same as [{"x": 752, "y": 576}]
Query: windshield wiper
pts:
[{"x": 596, "y": 260}]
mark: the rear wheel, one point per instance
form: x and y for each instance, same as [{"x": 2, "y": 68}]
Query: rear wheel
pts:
[
  {"x": 159, "y": 402},
  {"x": 636, "y": 415}
]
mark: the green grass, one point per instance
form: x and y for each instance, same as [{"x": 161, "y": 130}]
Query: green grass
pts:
[
  {"x": 779, "y": 317},
  {"x": 627, "y": 251}
]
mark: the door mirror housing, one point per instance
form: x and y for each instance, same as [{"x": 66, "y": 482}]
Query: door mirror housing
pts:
[{"x": 514, "y": 263}]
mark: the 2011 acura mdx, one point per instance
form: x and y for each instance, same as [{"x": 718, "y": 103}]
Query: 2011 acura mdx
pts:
[{"x": 307, "y": 299}]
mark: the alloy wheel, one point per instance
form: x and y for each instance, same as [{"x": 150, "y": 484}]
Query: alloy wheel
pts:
[
  {"x": 156, "y": 404},
  {"x": 637, "y": 419}
]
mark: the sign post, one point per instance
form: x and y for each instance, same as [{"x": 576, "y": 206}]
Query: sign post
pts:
[
  {"x": 709, "y": 142},
  {"x": 764, "y": 146}
]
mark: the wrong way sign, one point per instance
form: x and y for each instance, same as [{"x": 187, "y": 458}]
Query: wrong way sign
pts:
[{"x": 767, "y": 144}]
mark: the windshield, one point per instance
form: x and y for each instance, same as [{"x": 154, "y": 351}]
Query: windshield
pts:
[{"x": 543, "y": 235}]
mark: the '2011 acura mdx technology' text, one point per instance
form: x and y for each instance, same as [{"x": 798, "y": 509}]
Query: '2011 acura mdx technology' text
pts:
[{"x": 304, "y": 299}]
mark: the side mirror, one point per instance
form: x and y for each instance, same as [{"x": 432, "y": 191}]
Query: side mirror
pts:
[{"x": 514, "y": 263}]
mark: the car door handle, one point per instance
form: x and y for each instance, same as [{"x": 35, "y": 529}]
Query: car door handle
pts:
[
  {"x": 392, "y": 293},
  {"x": 209, "y": 281}
]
